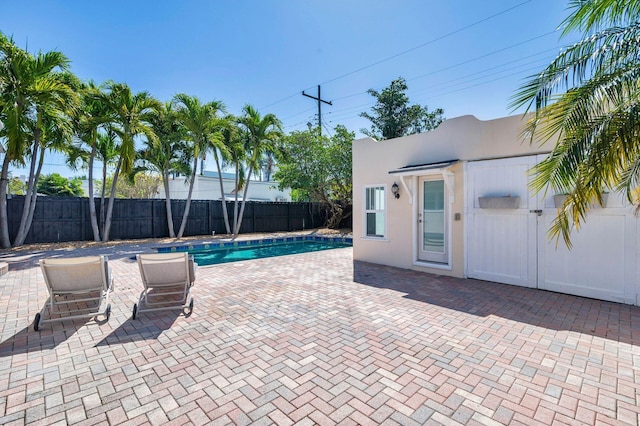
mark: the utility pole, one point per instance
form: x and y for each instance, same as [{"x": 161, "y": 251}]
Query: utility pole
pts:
[{"x": 320, "y": 101}]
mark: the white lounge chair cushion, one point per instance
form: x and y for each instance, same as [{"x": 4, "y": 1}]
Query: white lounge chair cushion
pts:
[
  {"x": 163, "y": 269},
  {"x": 78, "y": 274}
]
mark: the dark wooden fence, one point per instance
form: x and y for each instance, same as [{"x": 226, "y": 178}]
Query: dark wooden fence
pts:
[{"x": 67, "y": 218}]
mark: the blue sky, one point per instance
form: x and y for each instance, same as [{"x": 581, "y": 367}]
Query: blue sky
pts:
[{"x": 465, "y": 56}]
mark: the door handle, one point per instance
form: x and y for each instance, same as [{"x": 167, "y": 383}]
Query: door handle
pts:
[{"x": 538, "y": 212}]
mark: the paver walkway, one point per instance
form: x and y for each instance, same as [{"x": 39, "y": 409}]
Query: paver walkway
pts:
[{"x": 315, "y": 339}]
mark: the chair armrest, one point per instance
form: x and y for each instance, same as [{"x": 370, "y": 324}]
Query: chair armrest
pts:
[{"x": 193, "y": 266}]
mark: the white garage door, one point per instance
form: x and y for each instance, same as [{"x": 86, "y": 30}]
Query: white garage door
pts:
[{"x": 507, "y": 240}]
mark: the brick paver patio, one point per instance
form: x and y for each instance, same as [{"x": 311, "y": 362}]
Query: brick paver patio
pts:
[{"x": 313, "y": 339}]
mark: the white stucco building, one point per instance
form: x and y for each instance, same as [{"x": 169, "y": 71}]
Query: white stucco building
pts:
[
  {"x": 207, "y": 187},
  {"x": 465, "y": 209}
]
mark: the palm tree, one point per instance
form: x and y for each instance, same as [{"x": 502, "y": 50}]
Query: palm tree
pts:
[
  {"x": 230, "y": 144},
  {"x": 107, "y": 154},
  {"x": 128, "y": 115},
  {"x": 267, "y": 165},
  {"x": 168, "y": 154},
  {"x": 36, "y": 91},
  {"x": 202, "y": 127},
  {"x": 589, "y": 98},
  {"x": 88, "y": 131},
  {"x": 104, "y": 149},
  {"x": 260, "y": 134},
  {"x": 56, "y": 133},
  {"x": 236, "y": 158}
]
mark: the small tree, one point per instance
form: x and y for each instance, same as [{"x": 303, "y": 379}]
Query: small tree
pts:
[
  {"x": 318, "y": 168},
  {"x": 57, "y": 185},
  {"x": 141, "y": 185},
  {"x": 393, "y": 117},
  {"x": 17, "y": 186}
]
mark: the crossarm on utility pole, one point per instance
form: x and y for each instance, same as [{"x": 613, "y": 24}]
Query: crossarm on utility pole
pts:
[{"x": 320, "y": 101}]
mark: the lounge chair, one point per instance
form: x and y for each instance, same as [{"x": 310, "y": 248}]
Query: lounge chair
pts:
[
  {"x": 167, "y": 279},
  {"x": 83, "y": 281}
]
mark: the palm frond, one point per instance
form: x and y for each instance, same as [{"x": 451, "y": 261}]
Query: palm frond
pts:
[
  {"x": 588, "y": 101},
  {"x": 590, "y": 15}
]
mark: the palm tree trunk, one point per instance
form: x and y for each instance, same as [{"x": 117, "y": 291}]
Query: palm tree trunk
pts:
[
  {"x": 244, "y": 200},
  {"x": 5, "y": 241},
  {"x": 112, "y": 197},
  {"x": 32, "y": 205},
  {"x": 183, "y": 225},
  {"x": 102, "y": 194},
  {"x": 31, "y": 188},
  {"x": 225, "y": 213},
  {"x": 92, "y": 203},
  {"x": 269, "y": 168},
  {"x": 235, "y": 204},
  {"x": 165, "y": 182}
]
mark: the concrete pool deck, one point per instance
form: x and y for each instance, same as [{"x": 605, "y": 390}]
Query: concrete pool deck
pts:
[{"x": 315, "y": 339}]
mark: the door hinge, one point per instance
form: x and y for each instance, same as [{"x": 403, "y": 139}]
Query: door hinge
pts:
[{"x": 538, "y": 212}]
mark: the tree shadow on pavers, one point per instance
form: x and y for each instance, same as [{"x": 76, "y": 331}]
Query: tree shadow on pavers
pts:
[
  {"x": 57, "y": 328},
  {"x": 49, "y": 336},
  {"x": 147, "y": 325},
  {"x": 540, "y": 308},
  {"x": 22, "y": 259}
]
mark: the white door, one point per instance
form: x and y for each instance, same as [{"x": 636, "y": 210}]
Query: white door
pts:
[
  {"x": 512, "y": 246},
  {"x": 602, "y": 261},
  {"x": 501, "y": 243},
  {"x": 432, "y": 220}
]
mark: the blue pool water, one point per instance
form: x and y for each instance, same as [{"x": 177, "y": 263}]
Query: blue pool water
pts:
[{"x": 212, "y": 254}]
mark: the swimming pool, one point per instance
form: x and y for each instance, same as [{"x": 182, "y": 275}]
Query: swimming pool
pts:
[{"x": 234, "y": 251}]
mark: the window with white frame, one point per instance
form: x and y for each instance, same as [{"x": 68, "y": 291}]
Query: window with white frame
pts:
[{"x": 374, "y": 211}]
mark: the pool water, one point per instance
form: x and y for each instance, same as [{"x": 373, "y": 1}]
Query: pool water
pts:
[{"x": 233, "y": 254}]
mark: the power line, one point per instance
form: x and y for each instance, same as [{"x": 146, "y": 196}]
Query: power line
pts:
[
  {"x": 298, "y": 113},
  {"x": 298, "y": 123},
  {"x": 403, "y": 52},
  {"x": 462, "y": 79},
  {"x": 466, "y": 27},
  {"x": 478, "y": 76},
  {"x": 431, "y": 96},
  {"x": 484, "y": 56},
  {"x": 497, "y": 67},
  {"x": 481, "y": 83},
  {"x": 327, "y": 129},
  {"x": 283, "y": 99},
  {"x": 346, "y": 113},
  {"x": 368, "y": 104},
  {"x": 467, "y": 61},
  {"x": 446, "y": 87}
]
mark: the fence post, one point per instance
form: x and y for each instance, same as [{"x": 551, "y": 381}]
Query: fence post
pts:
[
  {"x": 153, "y": 218},
  {"x": 253, "y": 216},
  {"x": 83, "y": 220}
]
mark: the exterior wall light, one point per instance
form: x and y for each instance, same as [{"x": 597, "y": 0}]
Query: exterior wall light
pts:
[{"x": 395, "y": 190}]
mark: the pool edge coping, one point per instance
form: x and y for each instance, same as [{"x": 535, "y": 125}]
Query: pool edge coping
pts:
[{"x": 254, "y": 242}]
